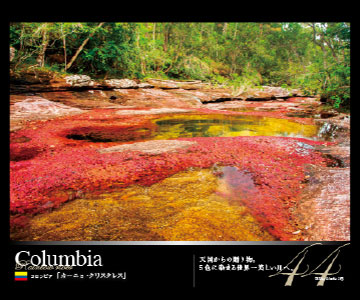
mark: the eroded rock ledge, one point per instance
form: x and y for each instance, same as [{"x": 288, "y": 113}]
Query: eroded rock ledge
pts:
[{"x": 35, "y": 82}]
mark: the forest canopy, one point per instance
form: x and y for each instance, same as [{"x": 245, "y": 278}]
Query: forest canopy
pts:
[{"x": 314, "y": 57}]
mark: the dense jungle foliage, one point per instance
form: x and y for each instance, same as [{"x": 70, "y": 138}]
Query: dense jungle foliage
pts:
[{"x": 314, "y": 57}]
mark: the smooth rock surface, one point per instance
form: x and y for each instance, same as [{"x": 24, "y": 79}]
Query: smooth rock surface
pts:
[{"x": 150, "y": 147}]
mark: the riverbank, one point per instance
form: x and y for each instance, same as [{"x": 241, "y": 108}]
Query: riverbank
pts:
[{"x": 287, "y": 155}]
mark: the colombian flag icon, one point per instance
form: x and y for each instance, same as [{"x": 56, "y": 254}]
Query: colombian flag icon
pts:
[{"x": 20, "y": 276}]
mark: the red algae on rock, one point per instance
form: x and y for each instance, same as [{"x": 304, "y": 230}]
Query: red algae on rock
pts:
[{"x": 63, "y": 168}]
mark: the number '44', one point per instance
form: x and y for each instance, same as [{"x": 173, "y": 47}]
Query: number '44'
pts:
[{"x": 302, "y": 254}]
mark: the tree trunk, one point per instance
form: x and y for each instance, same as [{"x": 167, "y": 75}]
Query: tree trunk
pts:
[
  {"x": 143, "y": 67},
  {"x": 166, "y": 40},
  {"x": 172, "y": 62},
  {"x": 64, "y": 46},
  {"x": 21, "y": 38},
  {"x": 142, "y": 61},
  {"x": 235, "y": 31},
  {"x": 45, "y": 41},
  {"x": 154, "y": 33},
  {"x": 82, "y": 47},
  {"x": 225, "y": 28},
  {"x": 333, "y": 53},
  {"x": 320, "y": 43},
  {"x": 167, "y": 29}
]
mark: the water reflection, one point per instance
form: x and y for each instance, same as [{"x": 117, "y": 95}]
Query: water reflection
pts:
[
  {"x": 237, "y": 186},
  {"x": 227, "y": 126}
]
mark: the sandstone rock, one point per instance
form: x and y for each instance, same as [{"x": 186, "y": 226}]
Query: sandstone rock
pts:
[
  {"x": 79, "y": 80},
  {"x": 34, "y": 107},
  {"x": 150, "y": 147},
  {"x": 175, "y": 84},
  {"x": 328, "y": 114},
  {"x": 121, "y": 83},
  {"x": 145, "y": 85},
  {"x": 296, "y": 93},
  {"x": 276, "y": 92},
  {"x": 152, "y": 111},
  {"x": 212, "y": 95},
  {"x": 88, "y": 99},
  {"x": 266, "y": 93},
  {"x": 163, "y": 84}
]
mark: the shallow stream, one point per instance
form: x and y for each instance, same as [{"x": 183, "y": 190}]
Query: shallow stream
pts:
[
  {"x": 173, "y": 126},
  {"x": 196, "y": 204},
  {"x": 193, "y": 205}
]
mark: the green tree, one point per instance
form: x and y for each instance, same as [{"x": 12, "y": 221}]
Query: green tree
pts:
[{"x": 312, "y": 56}]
